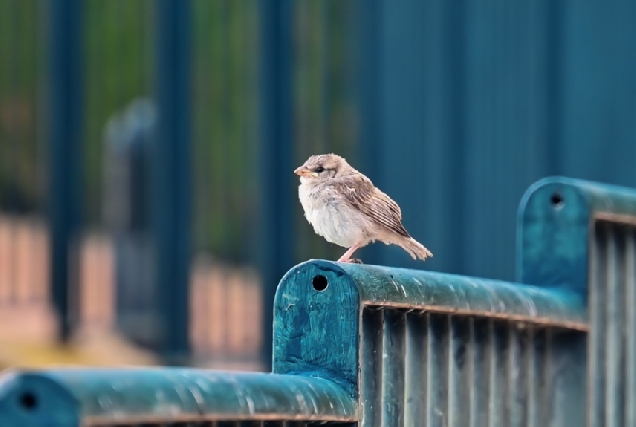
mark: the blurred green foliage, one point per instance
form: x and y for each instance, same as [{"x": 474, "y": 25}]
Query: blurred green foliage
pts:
[
  {"x": 20, "y": 61},
  {"x": 120, "y": 47}
]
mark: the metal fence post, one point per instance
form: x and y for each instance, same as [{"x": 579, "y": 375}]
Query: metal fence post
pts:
[
  {"x": 275, "y": 161},
  {"x": 171, "y": 176},
  {"x": 369, "y": 97},
  {"x": 65, "y": 127}
]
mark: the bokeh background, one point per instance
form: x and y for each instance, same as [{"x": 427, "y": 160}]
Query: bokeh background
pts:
[{"x": 147, "y": 202}]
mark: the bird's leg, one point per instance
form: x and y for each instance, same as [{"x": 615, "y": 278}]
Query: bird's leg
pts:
[{"x": 347, "y": 255}]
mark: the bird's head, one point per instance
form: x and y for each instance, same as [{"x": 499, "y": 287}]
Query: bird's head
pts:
[{"x": 322, "y": 167}]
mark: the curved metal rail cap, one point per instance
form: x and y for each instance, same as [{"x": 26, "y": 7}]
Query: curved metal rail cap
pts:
[
  {"x": 438, "y": 292},
  {"x": 556, "y": 226},
  {"x": 100, "y": 397}
]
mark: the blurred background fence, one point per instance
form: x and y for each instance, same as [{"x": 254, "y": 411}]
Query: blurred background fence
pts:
[{"x": 147, "y": 204}]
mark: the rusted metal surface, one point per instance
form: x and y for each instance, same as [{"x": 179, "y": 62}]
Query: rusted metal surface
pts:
[{"x": 158, "y": 396}]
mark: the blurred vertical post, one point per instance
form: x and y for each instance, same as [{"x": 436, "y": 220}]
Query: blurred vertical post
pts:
[
  {"x": 65, "y": 128},
  {"x": 368, "y": 63},
  {"x": 171, "y": 177},
  {"x": 276, "y": 160}
]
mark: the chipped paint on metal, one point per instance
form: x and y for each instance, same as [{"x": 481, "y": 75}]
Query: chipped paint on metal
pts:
[{"x": 171, "y": 395}]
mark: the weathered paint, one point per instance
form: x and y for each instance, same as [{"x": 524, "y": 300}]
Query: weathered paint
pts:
[
  {"x": 444, "y": 348},
  {"x": 383, "y": 346},
  {"x": 581, "y": 236},
  {"x": 436, "y": 369},
  {"x": 612, "y": 339},
  {"x": 555, "y": 227},
  {"x": 92, "y": 397},
  {"x": 317, "y": 331}
]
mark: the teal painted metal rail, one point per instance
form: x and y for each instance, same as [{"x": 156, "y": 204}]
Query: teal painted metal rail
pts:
[
  {"x": 380, "y": 346},
  {"x": 145, "y": 396}
]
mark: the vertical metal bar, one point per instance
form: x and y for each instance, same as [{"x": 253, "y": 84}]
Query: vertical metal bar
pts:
[
  {"x": 393, "y": 368},
  {"x": 275, "y": 155},
  {"x": 541, "y": 390},
  {"x": 596, "y": 339},
  {"x": 13, "y": 204},
  {"x": 499, "y": 410},
  {"x": 480, "y": 365},
  {"x": 517, "y": 384},
  {"x": 501, "y": 347},
  {"x": 549, "y": 368},
  {"x": 172, "y": 175},
  {"x": 370, "y": 386},
  {"x": 66, "y": 120},
  {"x": 528, "y": 366},
  {"x": 459, "y": 353},
  {"x": 630, "y": 325},
  {"x": 437, "y": 385},
  {"x": 225, "y": 152},
  {"x": 493, "y": 415},
  {"x": 415, "y": 372},
  {"x": 615, "y": 363}
]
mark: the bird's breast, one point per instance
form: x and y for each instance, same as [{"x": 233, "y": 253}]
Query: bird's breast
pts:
[{"x": 331, "y": 217}]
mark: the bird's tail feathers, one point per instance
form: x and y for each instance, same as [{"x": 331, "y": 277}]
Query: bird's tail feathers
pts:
[{"x": 414, "y": 248}]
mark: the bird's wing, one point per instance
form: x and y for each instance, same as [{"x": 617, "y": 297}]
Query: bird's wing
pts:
[{"x": 360, "y": 193}]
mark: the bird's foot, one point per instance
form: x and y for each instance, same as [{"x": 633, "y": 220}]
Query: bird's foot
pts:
[
  {"x": 351, "y": 260},
  {"x": 346, "y": 256}
]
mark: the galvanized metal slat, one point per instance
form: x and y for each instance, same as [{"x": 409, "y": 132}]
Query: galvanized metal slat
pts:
[
  {"x": 480, "y": 360},
  {"x": 516, "y": 382},
  {"x": 529, "y": 367},
  {"x": 499, "y": 375},
  {"x": 370, "y": 391},
  {"x": 437, "y": 381},
  {"x": 492, "y": 376},
  {"x": 546, "y": 395},
  {"x": 539, "y": 368},
  {"x": 614, "y": 365},
  {"x": 458, "y": 371},
  {"x": 415, "y": 372},
  {"x": 630, "y": 325},
  {"x": 612, "y": 345},
  {"x": 392, "y": 397},
  {"x": 596, "y": 348}
]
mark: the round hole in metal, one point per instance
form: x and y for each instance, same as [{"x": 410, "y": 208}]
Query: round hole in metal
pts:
[
  {"x": 320, "y": 283},
  {"x": 557, "y": 200},
  {"x": 28, "y": 401}
]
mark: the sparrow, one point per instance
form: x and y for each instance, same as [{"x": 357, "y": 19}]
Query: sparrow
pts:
[{"x": 345, "y": 208}]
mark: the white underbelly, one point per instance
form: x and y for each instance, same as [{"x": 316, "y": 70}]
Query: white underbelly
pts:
[
  {"x": 337, "y": 222},
  {"x": 336, "y": 226}
]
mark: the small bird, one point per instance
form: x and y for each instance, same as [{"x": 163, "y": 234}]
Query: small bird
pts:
[{"x": 345, "y": 208}]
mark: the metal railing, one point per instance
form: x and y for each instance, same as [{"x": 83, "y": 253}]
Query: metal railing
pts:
[{"x": 381, "y": 346}]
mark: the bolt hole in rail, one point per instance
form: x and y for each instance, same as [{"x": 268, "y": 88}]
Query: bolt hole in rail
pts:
[{"x": 375, "y": 346}]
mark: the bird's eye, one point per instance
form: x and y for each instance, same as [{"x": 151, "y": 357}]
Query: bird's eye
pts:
[{"x": 319, "y": 169}]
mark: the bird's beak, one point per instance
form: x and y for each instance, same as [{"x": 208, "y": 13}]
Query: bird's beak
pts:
[{"x": 303, "y": 171}]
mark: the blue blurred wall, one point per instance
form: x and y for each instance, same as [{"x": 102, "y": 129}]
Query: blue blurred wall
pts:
[{"x": 477, "y": 100}]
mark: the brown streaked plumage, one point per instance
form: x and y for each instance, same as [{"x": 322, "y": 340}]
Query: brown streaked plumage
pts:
[{"x": 345, "y": 208}]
